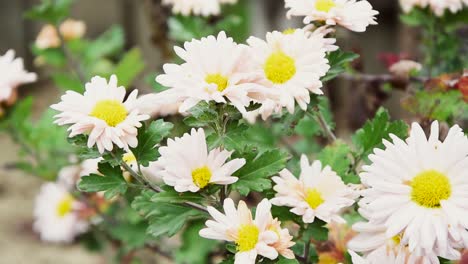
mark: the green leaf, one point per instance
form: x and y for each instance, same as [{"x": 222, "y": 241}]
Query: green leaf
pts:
[
  {"x": 68, "y": 82},
  {"x": 171, "y": 196},
  {"x": 337, "y": 157},
  {"x": 338, "y": 61},
  {"x": 109, "y": 43},
  {"x": 195, "y": 249},
  {"x": 111, "y": 181},
  {"x": 186, "y": 28},
  {"x": 316, "y": 230},
  {"x": 129, "y": 67},
  {"x": 148, "y": 138},
  {"x": 202, "y": 115},
  {"x": 51, "y": 11},
  {"x": 283, "y": 260},
  {"x": 255, "y": 174},
  {"x": 133, "y": 236},
  {"x": 376, "y": 130},
  {"x": 52, "y": 56}
]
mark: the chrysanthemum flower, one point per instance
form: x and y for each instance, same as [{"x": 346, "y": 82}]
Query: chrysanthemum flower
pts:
[
  {"x": 102, "y": 113},
  {"x": 284, "y": 242},
  {"x": 12, "y": 75},
  {"x": 72, "y": 29},
  {"x": 317, "y": 193},
  {"x": 186, "y": 164},
  {"x": 419, "y": 187},
  {"x": 214, "y": 69},
  {"x": 437, "y": 6},
  {"x": 56, "y": 214},
  {"x": 70, "y": 175},
  {"x": 197, "y": 7},
  {"x": 252, "y": 236},
  {"x": 351, "y": 14},
  {"x": 378, "y": 248},
  {"x": 291, "y": 66}
]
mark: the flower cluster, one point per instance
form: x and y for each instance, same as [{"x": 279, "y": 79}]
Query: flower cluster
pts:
[
  {"x": 415, "y": 200},
  {"x": 274, "y": 73},
  {"x": 70, "y": 29},
  {"x": 197, "y": 7},
  {"x": 437, "y": 6}
]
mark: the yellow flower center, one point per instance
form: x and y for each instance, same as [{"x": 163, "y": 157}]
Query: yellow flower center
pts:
[
  {"x": 429, "y": 188},
  {"x": 279, "y": 67},
  {"x": 247, "y": 237},
  {"x": 324, "y": 5},
  {"x": 65, "y": 206},
  {"x": 397, "y": 239},
  {"x": 314, "y": 198},
  {"x": 218, "y": 79},
  {"x": 112, "y": 112},
  {"x": 289, "y": 31},
  {"x": 201, "y": 176},
  {"x": 129, "y": 158}
]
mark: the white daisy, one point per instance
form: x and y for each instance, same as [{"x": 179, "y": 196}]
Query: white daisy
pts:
[
  {"x": 70, "y": 175},
  {"x": 351, "y": 14},
  {"x": 284, "y": 242},
  {"x": 251, "y": 236},
  {"x": 317, "y": 193},
  {"x": 419, "y": 187},
  {"x": 13, "y": 75},
  {"x": 214, "y": 69},
  {"x": 291, "y": 66},
  {"x": 186, "y": 164},
  {"x": 56, "y": 214},
  {"x": 102, "y": 113},
  {"x": 197, "y": 7},
  {"x": 378, "y": 248}
]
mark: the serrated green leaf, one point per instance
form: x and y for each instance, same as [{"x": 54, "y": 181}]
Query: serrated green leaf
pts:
[
  {"x": 201, "y": 115},
  {"x": 337, "y": 157},
  {"x": 170, "y": 219},
  {"x": 186, "y": 28},
  {"x": 133, "y": 236},
  {"x": 255, "y": 174},
  {"x": 316, "y": 230},
  {"x": 107, "y": 44},
  {"x": 338, "y": 61},
  {"x": 129, "y": 67},
  {"x": 195, "y": 249},
  {"x": 148, "y": 138},
  {"x": 171, "y": 196},
  {"x": 374, "y": 131},
  {"x": 111, "y": 181}
]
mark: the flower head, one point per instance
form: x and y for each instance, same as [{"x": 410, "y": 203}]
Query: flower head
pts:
[
  {"x": 291, "y": 66},
  {"x": 197, "y": 7},
  {"x": 186, "y": 163},
  {"x": 418, "y": 188},
  {"x": 72, "y": 29},
  {"x": 438, "y": 7},
  {"x": 56, "y": 214},
  {"x": 352, "y": 14},
  {"x": 253, "y": 237},
  {"x": 102, "y": 113},
  {"x": 13, "y": 75},
  {"x": 214, "y": 69},
  {"x": 317, "y": 193}
]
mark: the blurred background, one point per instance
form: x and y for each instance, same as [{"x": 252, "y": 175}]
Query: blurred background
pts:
[{"x": 144, "y": 23}]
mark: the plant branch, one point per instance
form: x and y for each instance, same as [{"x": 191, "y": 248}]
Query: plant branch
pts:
[
  {"x": 73, "y": 64},
  {"x": 323, "y": 124},
  {"x": 305, "y": 259}
]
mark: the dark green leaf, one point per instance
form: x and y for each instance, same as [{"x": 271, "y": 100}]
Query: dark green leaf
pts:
[
  {"x": 201, "y": 115},
  {"x": 338, "y": 61},
  {"x": 111, "y": 181},
  {"x": 337, "y": 157},
  {"x": 109, "y": 43},
  {"x": 148, "y": 138},
  {"x": 255, "y": 174}
]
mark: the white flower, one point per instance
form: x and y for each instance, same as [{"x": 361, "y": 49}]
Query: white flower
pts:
[
  {"x": 13, "y": 74},
  {"x": 48, "y": 38},
  {"x": 404, "y": 68},
  {"x": 197, "y": 7},
  {"x": 186, "y": 164},
  {"x": 320, "y": 34},
  {"x": 351, "y": 14},
  {"x": 291, "y": 66},
  {"x": 251, "y": 236},
  {"x": 214, "y": 69},
  {"x": 419, "y": 187},
  {"x": 56, "y": 214},
  {"x": 437, "y": 6},
  {"x": 102, "y": 113},
  {"x": 379, "y": 249},
  {"x": 317, "y": 193},
  {"x": 72, "y": 29},
  {"x": 284, "y": 242}
]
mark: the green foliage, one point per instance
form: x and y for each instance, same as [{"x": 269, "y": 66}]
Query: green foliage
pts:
[
  {"x": 202, "y": 115},
  {"x": 51, "y": 56},
  {"x": 316, "y": 230},
  {"x": 164, "y": 218},
  {"x": 171, "y": 196},
  {"x": 338, "y": 61},
  {"x": 67, "y": 82},
  {"x": 50, "y": 11},
  {"x": 111, "y": 181},
  {"x": 254, "y": 176},
  {"x": 148, "y": 138},
  {"x": 129, "y": 67},
  {"x": 109, "y": 43},
  {"x": 194, "y": 249},
  {"x": 443, "y": 106},
  {"x": 337, "y": 156},
  {"x": 377, "y": 129}
]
